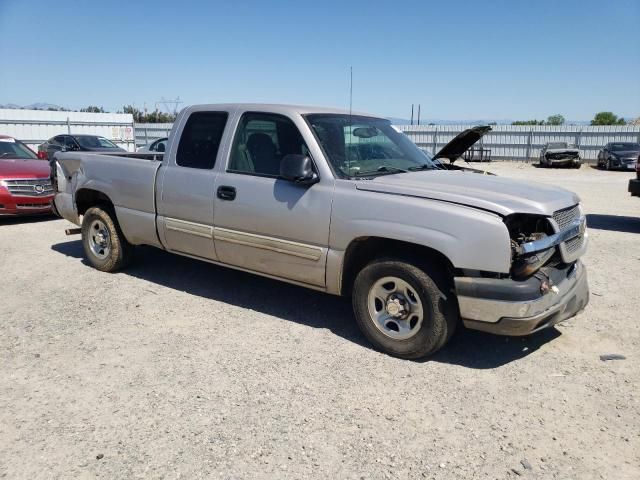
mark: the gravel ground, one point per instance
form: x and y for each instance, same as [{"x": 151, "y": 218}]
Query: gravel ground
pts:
[{"x": 180, "y": 369}]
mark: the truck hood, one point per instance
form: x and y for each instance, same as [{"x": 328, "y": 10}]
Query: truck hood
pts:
[
  {"x": 500, "y": 195},
  {"x": 19, "y": 168},
  {"x": 462, "y": 142},
  {"x": 626, "y": 153}
]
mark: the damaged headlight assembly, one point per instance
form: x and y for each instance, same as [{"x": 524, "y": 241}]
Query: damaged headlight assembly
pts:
[{"x": 533, "y": 243}]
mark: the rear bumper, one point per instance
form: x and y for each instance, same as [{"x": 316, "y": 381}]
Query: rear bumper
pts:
[
  {"x": 634, "y": 186},
  {"x": 485, "y": 304},
  {"x": 11, "y": 205}
]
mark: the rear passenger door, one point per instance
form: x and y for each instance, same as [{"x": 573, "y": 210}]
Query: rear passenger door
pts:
[{"x": 186, "y": 186}]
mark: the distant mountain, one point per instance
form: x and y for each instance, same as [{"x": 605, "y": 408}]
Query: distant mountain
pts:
[{"x": 34, "y": 106}]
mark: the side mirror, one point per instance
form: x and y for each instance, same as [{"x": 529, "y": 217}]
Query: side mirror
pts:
[{"x": 298, "y": 169}]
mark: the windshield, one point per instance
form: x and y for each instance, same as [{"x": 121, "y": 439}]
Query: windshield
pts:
[
  {"x": 557, "y": 145},
  {"x": 360, "y": 146},
  {"x": 10, "y": 148},
  {"x": 95, "y": 142},
  {"x": 618, "y": 147}
]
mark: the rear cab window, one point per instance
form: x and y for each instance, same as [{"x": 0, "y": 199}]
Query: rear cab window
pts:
[{"x": 200, "y": 140}]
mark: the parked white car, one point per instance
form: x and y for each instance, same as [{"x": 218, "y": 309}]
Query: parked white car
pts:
[{"x": 158, "y": 146}]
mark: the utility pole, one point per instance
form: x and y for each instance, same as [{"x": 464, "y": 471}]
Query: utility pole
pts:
[{"x": 168, "y": 103}]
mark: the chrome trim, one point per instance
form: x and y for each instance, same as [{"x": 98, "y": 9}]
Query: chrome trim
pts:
[
  {"x": 576, "y": 228},
  {"x": 192, "y": 228},
  {"x": 286, "y": 247}
]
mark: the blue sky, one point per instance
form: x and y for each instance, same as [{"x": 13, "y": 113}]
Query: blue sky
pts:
[{"x": 459, "y": 59}]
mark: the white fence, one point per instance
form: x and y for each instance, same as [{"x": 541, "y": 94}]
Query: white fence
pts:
[
  {"x": 148, "y": 132},
  {"x": 34, "y": 127},
  {"x": 505, "y": 141},
  {"x": 512, "y": 142},
  {"x": 524, "y": 142}
]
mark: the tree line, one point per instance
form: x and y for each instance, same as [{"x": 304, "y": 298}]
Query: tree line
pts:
[
  {"x": 139, "y": 116},
  {"x": 600, "y": 118},
  {"x": 156, "y": 116}
]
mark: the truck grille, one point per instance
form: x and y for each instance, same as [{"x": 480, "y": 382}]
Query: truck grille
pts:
[
  {"x": 33, "y": 205},
  {"x": 564, "y": 218},
  {"x": 29, "y": 187}
]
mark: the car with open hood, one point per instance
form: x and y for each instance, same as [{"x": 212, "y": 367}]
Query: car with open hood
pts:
[
  {"x": 343, "y": 203},
  {"x": 25, "y": 187},
  {"x": 560, "y": 154}
]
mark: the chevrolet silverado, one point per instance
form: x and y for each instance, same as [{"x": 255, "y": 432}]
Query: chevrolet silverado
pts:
[{"x": 343, "y": 203}]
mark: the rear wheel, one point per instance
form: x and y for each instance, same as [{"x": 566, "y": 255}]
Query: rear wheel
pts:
[
  {"x": 105, "y": 246},
  {"x": 403, "y": 310}
]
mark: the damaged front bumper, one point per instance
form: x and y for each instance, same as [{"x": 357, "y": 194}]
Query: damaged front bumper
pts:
[{"x": 510, "y": 307}]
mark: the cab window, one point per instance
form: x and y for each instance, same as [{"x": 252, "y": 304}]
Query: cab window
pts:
[
  {"x": 200, "y": 140},
  {"x": 262, "y": 141}
]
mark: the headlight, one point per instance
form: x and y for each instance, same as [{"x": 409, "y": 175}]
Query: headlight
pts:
[{"x": 524, "y": 229}]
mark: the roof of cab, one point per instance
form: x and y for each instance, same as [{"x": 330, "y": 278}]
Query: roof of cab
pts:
[{"x": 275, "y": 108}]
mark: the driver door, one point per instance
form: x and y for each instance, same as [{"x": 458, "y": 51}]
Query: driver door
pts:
[{"x": 263, "y": 223}]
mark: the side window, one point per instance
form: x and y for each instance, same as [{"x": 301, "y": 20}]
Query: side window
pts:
[
  {"x": 69, "y": 142},
  {"x": 58, "y": 140},
  {"x": 261, "y": 141},
  {"x": 200, "y": 140}
]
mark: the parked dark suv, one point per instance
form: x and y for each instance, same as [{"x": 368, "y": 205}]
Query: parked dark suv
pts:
[
  {"x": 76, "y": 143},
  {"x": 619, "y": 155},
  {"x": 634, "y": 183}
]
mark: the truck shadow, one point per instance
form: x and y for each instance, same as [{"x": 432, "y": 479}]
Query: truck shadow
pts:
[
  {"x": 27, "y": 219},
  {"x": 303, "y": 306},
  {"x": 614, "y": 223}
]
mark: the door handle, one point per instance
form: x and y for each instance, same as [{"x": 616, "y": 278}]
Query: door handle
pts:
[{"x": 226, "y": 193}]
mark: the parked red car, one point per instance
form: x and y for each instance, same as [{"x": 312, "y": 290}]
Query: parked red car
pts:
[{"x": 25, "y": 187}]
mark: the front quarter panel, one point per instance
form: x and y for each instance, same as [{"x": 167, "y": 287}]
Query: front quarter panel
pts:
[{"x": 468, "y": 237}]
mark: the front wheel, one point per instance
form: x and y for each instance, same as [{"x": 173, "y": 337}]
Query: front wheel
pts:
[
  {"x": 105, "y": 246},
  {"x": 404, "y": 310}
]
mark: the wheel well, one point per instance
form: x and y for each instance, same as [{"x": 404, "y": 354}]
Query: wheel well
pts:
[
  {"x": 361, "y": 251},
  {"x": 87, "y": 198}
]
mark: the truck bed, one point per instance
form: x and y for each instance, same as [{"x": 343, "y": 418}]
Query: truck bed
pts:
[{"x": 128, "y": 179}]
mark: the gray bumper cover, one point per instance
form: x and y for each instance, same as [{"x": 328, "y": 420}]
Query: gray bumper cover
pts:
[{"x": 522, "y": 316}]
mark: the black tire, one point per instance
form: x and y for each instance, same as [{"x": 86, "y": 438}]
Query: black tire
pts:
[
  {"x": 119, "y": 252},
  {"x": 439, "y": 305}
]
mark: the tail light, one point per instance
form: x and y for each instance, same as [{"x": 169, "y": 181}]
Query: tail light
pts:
[{"x": 42, "y": 155}]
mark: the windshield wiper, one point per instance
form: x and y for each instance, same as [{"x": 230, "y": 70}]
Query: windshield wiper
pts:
[
  {"x": 382, "y": 169},
  {"x": 424, "y": 166}
]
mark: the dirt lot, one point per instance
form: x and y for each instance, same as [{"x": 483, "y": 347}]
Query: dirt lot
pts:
[{"x": 180, "y": 369}]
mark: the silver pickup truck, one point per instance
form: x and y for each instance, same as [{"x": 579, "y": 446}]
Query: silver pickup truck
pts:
[{"x": 346, "y": 204}]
